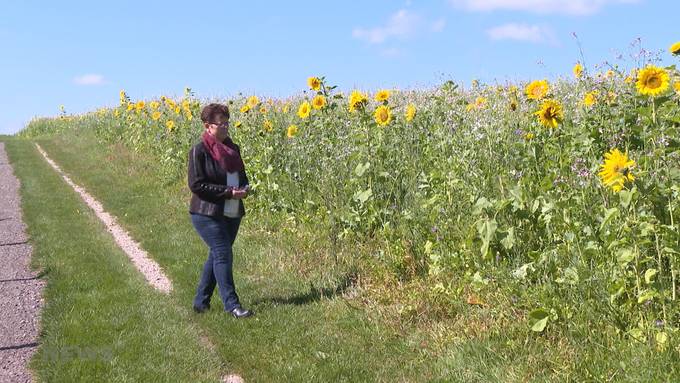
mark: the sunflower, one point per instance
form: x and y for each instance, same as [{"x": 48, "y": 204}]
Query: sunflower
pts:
[
  {"x": 615, "y": 171},
  {"x": 170, "y": 125},
  {"x": 139, "y": 106},
  {"x": 123, "y": 97},
  {"x": 536, "y": 90},
  {"x": 245, "y": 108},
  {"x": 675, "y": 48},
  {"x": 578, "y": 70},
  {"x": 314, "y": 83},
  {"x": 382, "y": 115},
  {"x": 676, "y": 86},
  {"x": 357, "y": 100},
  {"x": 238, "y": 124},
  {"x": 318, "y": 102},
  {"x": 382, "y": 95},
  {"x": 130, "y": 106},
  {"x": 156, "y": 115},
  {"x": 590, "y": 98},
  {"x": 154, "y": 105},
  {"x": 292, "y": 131},
  {"x": 652, "y": 81},
  {"x": 253, "y": 101},
  {"x": 304, "y": 110},
  {"x": 479, "y": 103},
  {"x": 267, "y": 125},
  {"x": 410, "y": 112},
  {"x": 550, "y": 115}
]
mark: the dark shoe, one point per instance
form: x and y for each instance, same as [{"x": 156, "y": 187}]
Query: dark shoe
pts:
[
  {"x": 201, "y": 309},
  {"x": 240, "y": 312}
]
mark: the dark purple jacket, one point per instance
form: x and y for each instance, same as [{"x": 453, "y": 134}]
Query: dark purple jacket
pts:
[{"x": 208, "y": 183}]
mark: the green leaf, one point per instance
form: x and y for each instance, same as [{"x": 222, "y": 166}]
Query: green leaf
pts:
[
  {"x": 361, "y": 169},
  {"x": 481, "y": 204},
  {"x": 363, "y": 196},
  {"x": 625, "y": 197},
  {"x": 509, "y": 239},
  {"x": 487, "y": 229},
  {"x": 538, "y": 319},
  {"x": 609, "y": 214},
  {"x": 625, "y": 256},
  {"x": 649, "y": 275}
]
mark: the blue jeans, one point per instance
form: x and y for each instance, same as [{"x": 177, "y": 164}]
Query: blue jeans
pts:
[{"x": 219, "y": 234}]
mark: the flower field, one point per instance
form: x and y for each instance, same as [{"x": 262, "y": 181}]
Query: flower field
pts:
[{"x": 553, "y": 186}]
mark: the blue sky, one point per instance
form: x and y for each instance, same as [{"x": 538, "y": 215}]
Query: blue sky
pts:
[{"x": 80, "y": 54}]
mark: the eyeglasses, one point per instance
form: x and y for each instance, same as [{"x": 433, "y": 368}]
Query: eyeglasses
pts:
[{"x": 224, "y": 124}]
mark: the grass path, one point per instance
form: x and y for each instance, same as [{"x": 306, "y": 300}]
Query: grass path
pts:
[{"x": 102, "y": 321}]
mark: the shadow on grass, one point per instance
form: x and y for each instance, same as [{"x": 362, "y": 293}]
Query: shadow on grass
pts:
[{"x": 314, "y": 294}]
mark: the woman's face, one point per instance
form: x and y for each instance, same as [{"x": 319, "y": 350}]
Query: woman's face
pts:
[{"x": 219, "y": 128}]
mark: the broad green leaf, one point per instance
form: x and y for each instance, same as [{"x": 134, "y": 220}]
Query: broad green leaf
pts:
[
  {"x": 538, "y": 319},
  {"x": 649, "y": 275}
]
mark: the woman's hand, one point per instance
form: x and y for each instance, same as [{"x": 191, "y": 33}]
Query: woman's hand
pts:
[{"x": 239, "y": 193}]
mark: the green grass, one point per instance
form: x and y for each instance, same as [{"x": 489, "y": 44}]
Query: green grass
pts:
[
  {"x": 304, "y": 329},
  {"x": 101, "y": 322}
]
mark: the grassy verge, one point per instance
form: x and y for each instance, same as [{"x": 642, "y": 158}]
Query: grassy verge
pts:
[
  {"x": 307, "y": 327},
  {"x": 101, "y": 321}
]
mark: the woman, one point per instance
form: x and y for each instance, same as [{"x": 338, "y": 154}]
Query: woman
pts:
[{"x": 218, "y": 181}]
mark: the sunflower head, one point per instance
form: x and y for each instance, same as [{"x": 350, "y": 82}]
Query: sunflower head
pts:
[
  {"x": 245, "y": 108},
  {"x": 318, "y": 102},
  {"x": 382, "y": 95},
  {"x": 676, "y": 87},
  {"x": 304, "y": 110},
  {"x": 292, "y": 131},
  {"x": 652, "y": 81},
  {"x": 675, "y": 48},
  {"x": 170, "y": 125},
  {"x": 357, "y": 100},
  {"x": 578, "y": 70},
  {"x": 550, "y": 115},
  {"x": 410, "y": 112},
  {"x": 156, "y": 115},
  {"x": 615, "y": 172},
  {"x": 314, "y": 83},
  {"x": 382, "y": 115},
  {"x": 253, "y": 101},
  {"x": 267, "y": 125},
  {"x": 536, "y": 90},
  {"x": 590, "y": 98}
]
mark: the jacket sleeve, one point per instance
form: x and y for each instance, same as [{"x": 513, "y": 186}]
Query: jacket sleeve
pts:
[{"x": 198, "y": 182}]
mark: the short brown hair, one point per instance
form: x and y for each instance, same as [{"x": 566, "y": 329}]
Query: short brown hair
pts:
[{"x": 212, "y": 111}]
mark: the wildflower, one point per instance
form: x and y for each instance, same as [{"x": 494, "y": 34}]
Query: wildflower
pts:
[
  {"x": 267, "y": 125},
  {"x": 130, "y": 106},
  {"x": 292, "y": 131},
  {"x": 536, "y": 90},
  {"x": 318, "y": 102},
  {"x": 410, "y": 112},
  {"x": 479, "y": 103},
  {"x": 382, "y": 115},
  {"x": 652, "y": 81},
  {"x": 245, "y": 108},
  {"x": 529, "y": 136},
  {"x": 156, "y": 115},
  {"x": 550, "y": 115},
  {"x": 590, "y": 98},
  {"x": 139, "y": 106},
  {"x": 513, "y": 105},
  {"x": 170, "y": 125},
  {"x": 304, "y": 110},
  {"x": 238, "y": 124},
  {"x": 357, "y": 100},
  {"x": 154, "y": 105},
  {"x": 314, "y": 83},
  {"x": 263, "y": 109},
  {"x": 615, "y": 171},
  {"x": 675, "y": 48},
  {"x": 123, "y": 97},
  {"x": 578, "y": 70},
  {"x": 252, "y": 101},
  {"x": 676, "y": 86},
  {"x": 382, "y": 95}
]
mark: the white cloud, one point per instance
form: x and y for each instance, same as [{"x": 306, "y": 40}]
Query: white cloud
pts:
[
  {"x": 89, "y": 79},
  {"x": 522, "y": 32},
  {"x": 572, "y": 7},
  {"x": 403, "y": 24},
  {"x": 438, "y": 25}
]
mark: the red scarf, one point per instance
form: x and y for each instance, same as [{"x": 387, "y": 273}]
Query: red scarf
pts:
[{"x": 224, "y": 153}]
